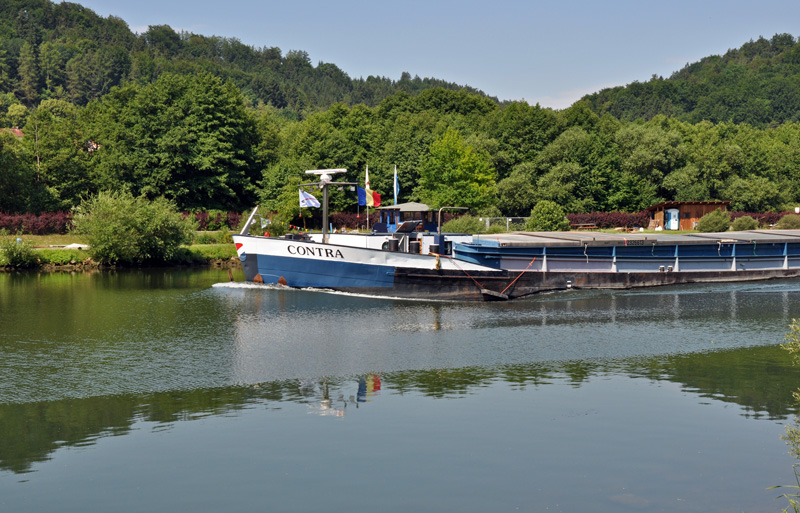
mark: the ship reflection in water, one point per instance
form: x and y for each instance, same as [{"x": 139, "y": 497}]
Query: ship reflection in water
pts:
[
  {"x": 142, "y": 389},
  {"x": 325, "y": 406}
]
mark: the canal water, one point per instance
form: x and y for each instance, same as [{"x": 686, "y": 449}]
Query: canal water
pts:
[{"x": 179, "y": 390}]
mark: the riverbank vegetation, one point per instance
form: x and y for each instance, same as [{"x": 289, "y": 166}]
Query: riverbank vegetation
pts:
[
  {"x": 121, "y": 228},
  {"x": 213, "y": 125},
  {"x": 55, "y": 256}
]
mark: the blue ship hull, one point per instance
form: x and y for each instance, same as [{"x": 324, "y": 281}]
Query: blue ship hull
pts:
[{"x": 519, "y": 265}]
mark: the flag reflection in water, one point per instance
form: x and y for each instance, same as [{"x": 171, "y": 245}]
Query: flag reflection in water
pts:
[{"x": 368, "y": 387}]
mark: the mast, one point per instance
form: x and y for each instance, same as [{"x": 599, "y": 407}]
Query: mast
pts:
[{"x": 324, "y": 182}]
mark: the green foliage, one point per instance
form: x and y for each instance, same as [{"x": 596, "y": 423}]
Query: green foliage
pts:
[
  {"x": 792, "y": 498},
  {"x": 716, "y": 221},
  {"x": 55, "y": 142},
  {"x": 792, "y": 433},
  {"x": 16, "y": 252},
  {"x": 516, "y": 192},
  {"x": 455, "y": 174},
  {"x": 212, "y": 251},
  {"x": 211, "y": 123},
  {"x": 464, "y": 224},
  {"x": 755, "y": 84},
  {"x": 789, "y": 222},
  {"x": 65, "y": 50},
  {"x": 547, "y": 216},
  {"x": 206, "y": 238},
  {"x": 744, "y": 223},
  {"x": 223, "y": 236},
  {"x": 60, "y": 256},
  {"x": 188, "y": 138},
  {"x": 15, "y": 178},
  {"x": 122, "y": 228},
  {"x": 791, "y": 341},
  {"x": 496, "y": 228}
]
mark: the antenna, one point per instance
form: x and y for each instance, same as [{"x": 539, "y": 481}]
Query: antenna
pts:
[{"x": 325, "y": 174}]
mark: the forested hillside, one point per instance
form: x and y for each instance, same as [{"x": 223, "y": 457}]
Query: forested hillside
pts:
[
  {"x": 758, "y": 84},
  {"x": 211, "y": 123},
  {"x": 66, "y": 51}
]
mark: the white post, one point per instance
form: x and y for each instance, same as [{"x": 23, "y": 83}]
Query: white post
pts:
[{"x": 249, "y": 220}]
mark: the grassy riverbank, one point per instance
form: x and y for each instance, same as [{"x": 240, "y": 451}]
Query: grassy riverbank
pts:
[{"x": 64, "y": 252}]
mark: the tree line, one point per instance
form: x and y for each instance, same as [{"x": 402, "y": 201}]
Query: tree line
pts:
[
  {"x": 191, "y": 132},
  {"x": 757, "y": 84},
  {"x": 66, "y": 51}
]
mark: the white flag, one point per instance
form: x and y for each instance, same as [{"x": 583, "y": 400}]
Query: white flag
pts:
[
  {"x": 307, "y": 200},
  {"x": 366, "y": 178}
]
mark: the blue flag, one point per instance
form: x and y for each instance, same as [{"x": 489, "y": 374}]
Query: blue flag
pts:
[
  {"x": 396, "y": 186},
  {"x": 362, "y": 197}
]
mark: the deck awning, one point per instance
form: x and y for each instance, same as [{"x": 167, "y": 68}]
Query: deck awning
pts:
[{"x": 407, "y": 207}]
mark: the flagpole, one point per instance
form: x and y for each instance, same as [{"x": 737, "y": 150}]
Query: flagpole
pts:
[{"x": 366, "y": 187}]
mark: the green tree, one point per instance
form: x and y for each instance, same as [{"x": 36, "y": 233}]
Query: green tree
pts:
[
  {"x": 189, "y": 138},
  {"x": 61, "y": 155},
  {"x": 4, "y": 70},
  {"x": 563, "y": 185},
  {"x": 28, "y": 74},
  {"x": 516, "y": 192},
  {"x": 15, "y": 179},
  {"x": 755, "y": 194},
  {"x": 522, "y": 131},
  {"x": 647, "y": 154},
  {"x": 53, "y": 65},
  {"x": 455, "y": 174},
  {"x": 547, "y": 216},
  {"x": 17, "y": 114},
  {"x": 685, "y": 184},
  {"x": 574, "y": 170},
  {"x": 122, "y": 228},
  {"x": 286, "y": 208}
]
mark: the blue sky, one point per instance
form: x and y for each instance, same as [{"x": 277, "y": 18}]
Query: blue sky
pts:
[{"x": 549, "y": 53}]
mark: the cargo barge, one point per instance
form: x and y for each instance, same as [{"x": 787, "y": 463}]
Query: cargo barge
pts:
[{"x": 409, "y": 263}]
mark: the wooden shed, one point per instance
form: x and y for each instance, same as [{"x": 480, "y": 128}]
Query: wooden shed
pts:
[{"x": 682, "y": 215}]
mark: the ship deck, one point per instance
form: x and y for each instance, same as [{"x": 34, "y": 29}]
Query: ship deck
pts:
[{"x": 556, "y": 239}]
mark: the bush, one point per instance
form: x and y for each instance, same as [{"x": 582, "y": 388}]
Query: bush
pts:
[
  {"x": 17, "y": 252},
  {"x": 716, "y": 221},
  {"x": 36, "y": 224},
  {"x": 206, "y": 238},
  {"x": 789, "y": 222},
  {"x": 464, "y": 224},
  {"x": 612, "y": 219},
  {"x": 744, "y": 223},
  {"x": 547, "y": 216},
  {"x": 125, "y": 229}
]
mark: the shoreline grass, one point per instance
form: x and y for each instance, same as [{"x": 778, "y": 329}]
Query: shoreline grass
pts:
[{"x": 49, "y": 252}]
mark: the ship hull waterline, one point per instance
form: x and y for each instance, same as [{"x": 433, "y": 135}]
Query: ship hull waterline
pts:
[{"x": 370, "y": 272}]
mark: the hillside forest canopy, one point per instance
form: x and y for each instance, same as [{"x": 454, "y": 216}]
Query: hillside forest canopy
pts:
[{"x": 208, "y": 122}]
